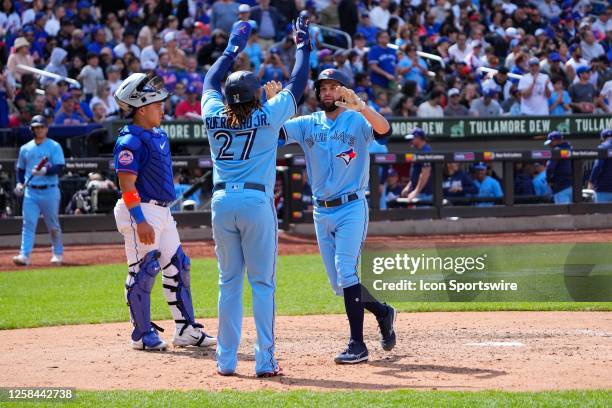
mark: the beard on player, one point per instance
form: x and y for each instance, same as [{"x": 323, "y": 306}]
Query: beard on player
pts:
[{"x": 328, "y": 106}]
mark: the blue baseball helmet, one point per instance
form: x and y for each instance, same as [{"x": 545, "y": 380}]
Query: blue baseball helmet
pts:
[
  {"x": 606, "y": 133},
  {"x": 416, "y": 132},
  {"x": 554, "y": 135},
  {"x": 332, "y": 74},
  {"x": 241, "y": 87},
  {"x": 38, "y": 121}
]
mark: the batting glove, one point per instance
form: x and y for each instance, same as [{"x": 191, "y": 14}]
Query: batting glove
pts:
[
  {"x": 18, "y": 190},
  {"x": 238, "y": 39},
  {"x": 349, "y": 99},
  {"x": 42, "y": 171},
  {"x": 300, "y": 31}
]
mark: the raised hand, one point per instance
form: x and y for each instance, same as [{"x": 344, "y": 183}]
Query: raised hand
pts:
[
  {"x": 348, "y": 99},
  {"x": 238, "y": 39},
  {"x": 300, "y": 31},
  {"x": 272, "y": 88}
]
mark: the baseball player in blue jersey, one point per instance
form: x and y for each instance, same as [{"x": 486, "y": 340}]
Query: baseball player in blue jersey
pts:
[
  {"x": 243, "y": 136},
  {"x": 487, "y": 186},
  {"x": 40, "y": 163},
  {"x": 559, "y": 172},
  {"x": 152, "y": 245},
  {"x": 335, "y": 143},
  {"x": 601, "y": 175}
]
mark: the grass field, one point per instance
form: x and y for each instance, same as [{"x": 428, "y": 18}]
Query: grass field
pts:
[
  {"x": 94, "y": 294},
  {"x": 403, "y": 398}
]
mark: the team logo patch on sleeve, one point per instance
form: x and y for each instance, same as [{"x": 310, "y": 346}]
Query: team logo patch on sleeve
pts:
[
  {"x": 347, "y": 156},
  {"x": 125, "y": 157}
]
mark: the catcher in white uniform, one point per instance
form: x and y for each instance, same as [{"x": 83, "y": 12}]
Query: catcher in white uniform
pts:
[{"x": 144, "y": 169}]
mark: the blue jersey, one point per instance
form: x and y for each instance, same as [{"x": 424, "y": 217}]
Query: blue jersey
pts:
[
  {"x": 540, "y": 185},
  {"x": 417, "y": 168},
  {"x": 30, "y": 154},
  {"x": 601, "y": 175},
  {"x": 146, "y": 153},
  {"x": 489, "y": 187},
  {"x": 337, "y": 157},
  {"x": 386, "y": 58},
  {"x": 247, "y": 153}
]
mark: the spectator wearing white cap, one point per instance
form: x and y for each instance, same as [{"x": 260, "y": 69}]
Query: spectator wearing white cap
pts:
[
  {"x": 535, "y": 90},
  {"x": 178, "y": 59},
  {"x": 244, "y": 14},
  {"x": 453, "y": 107}
]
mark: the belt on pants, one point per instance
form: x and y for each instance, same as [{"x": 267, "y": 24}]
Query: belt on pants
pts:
[
  {"x": 247, "y": 186},
  {"x": 42, "y": 186},
  {"x": 338, "y": 201},
  {"x": 159, "y": 203}
]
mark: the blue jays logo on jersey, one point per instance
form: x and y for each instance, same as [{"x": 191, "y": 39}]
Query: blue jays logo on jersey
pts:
[{"x": 347, "y": 156}]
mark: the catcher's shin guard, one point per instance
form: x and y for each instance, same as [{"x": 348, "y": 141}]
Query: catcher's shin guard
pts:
[
  {"x": 176, "y": 282},
  {"x": 140, "y": 280}
]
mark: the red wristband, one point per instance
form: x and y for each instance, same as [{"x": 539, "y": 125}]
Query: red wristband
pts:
[{"x": 131, "y": 197}]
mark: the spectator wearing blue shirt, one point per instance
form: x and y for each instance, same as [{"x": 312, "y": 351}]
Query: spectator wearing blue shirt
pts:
[
  {"x": 420, "y": 184},
  {"x": 273, "y": 68},
  {"x": 559, "y": 101},
  {"x": 540, "y": 185},
  {"x": 67, "y": 116},
  {"x": 412, "y": 67},
  {"x": 487, "y": 186},
  {"x": 382, "y": 61},
  {"x": 559, "y": 172},
  {"x": 99, "y": 42},
  {"x": 367, "y": 29},
  {"x": 601, "y": 175}
]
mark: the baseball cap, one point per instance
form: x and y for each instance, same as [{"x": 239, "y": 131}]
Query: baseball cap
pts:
[
  {"x": 582, "y": 69},
  {"x": 606, "y": 133},
  {"x": 148, "y": 65},
  {"x": 512, "y": 32},
  {"x": 573, "y": 48},
  {"x": 67, "y": 96},
  {"x": 514, "y": 42},
  {"x": 416, "y": 132},
  {"x": 554, "y": 57},
  {"x": 38, "y": 121},
  {"x": 540, "y": 31},
  {"x": 442, "y": 40},
  {"x": 192, "y": 89},
  {"x": 476, "y": 43},
  {"x": 479, "y": 166},
  {"x": 244, "y": 8},
  {"x": 169, "y": 37},
  {"x": 503, "y": 70},
  {"x": 555, "y": 135},
  {"x": 453, "y": 92},
  {"x": 534, "y": 61},
  {"x": 490, "y": 92}
]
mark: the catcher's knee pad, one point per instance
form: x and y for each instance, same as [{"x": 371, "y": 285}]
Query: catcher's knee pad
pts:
[
  {"x": 138, "y": 292},
  {"x": 176, "y": 280}
]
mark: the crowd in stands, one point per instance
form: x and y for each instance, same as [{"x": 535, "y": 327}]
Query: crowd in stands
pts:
[{"x": 550, "y": 57}]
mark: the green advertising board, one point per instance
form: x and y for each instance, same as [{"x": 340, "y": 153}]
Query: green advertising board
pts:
[{"x": 183, "y": 131}]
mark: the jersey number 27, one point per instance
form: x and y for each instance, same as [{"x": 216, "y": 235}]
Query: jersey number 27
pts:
[{"x": 228, "y": 138}]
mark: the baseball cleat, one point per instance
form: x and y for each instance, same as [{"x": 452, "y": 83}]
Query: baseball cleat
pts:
[
  {"x": 354, "y": 353},
  {"x": 274, "y": 373},
  {"x": 21, "y": 260},
  {"x": 192, "y": 336},
  {"x": 225, "y": 373},
  {"x": 150, "y": 341},
  {"x": 387, "y": 329},
  {"x": 57, "y": 259}
]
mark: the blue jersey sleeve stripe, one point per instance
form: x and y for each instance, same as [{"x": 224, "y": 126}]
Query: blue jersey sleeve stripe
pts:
[{"x": 293, "y": 99}]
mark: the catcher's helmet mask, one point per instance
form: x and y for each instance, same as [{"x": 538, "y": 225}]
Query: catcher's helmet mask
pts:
[{"x": 140, "y": 90}]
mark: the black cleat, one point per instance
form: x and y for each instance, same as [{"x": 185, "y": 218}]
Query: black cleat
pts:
[
  {"x": 354, "y": 353},
  {"x": 387, "y": 329}
]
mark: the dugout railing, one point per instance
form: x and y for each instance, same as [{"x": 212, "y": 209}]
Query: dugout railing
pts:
[{"x": 291, "y": 172}]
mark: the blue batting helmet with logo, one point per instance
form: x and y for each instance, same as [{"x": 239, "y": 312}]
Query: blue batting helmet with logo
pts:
[
  {"x": 241, "y": 87},
  {"x": 606, "y": 133},
  {"x": 331, "y": 74}
]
